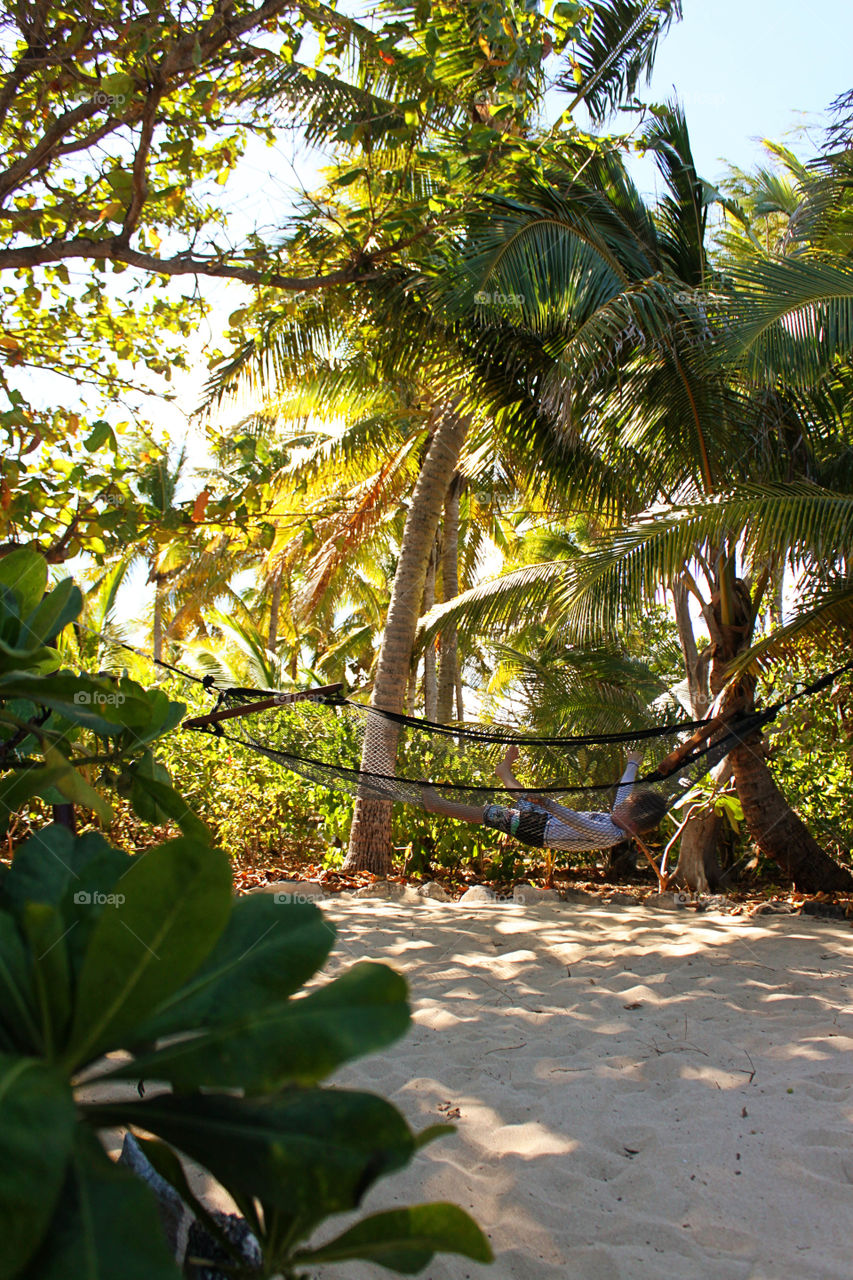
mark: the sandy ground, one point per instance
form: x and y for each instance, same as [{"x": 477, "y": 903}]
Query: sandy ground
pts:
[{"x": 641, "y": 1095}]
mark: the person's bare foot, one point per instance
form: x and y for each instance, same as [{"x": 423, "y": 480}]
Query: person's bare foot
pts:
[{"x": 504, "y": 769}]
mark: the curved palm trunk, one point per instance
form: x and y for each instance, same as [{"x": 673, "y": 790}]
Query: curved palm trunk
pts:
[
  {"x": 370, "y": 835},
  {"x": 449, "y": 588},
  {"x": 779, "y": 833},
  {"x": 777, "y": 830},
  {"x": 430, "y": 682}
]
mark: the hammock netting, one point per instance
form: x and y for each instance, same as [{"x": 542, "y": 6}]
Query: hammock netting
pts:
[{"x": 347, "y": 746}]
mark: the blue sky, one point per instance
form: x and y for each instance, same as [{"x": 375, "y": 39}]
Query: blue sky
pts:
[{"x": 747, "y": 69}]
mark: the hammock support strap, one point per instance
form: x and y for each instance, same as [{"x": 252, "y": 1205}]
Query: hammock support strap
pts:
[{"x": 324, "y": 693}]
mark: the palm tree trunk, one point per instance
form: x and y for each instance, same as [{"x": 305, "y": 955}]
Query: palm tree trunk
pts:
[
  {"x": 157, "y": 630},
  {"x": 698, "y": 866},
  {"x": 412, "y": 689},
  {"x": 370, "y": 835},
  {"x": 777, "y": 830},
  {"x": 275, "y": 610},
  {"x": 695, "y": 663},
  {"x": 449, "y": 589},
  {"x": 779, "y": 833},
  {"x": 430, "y": 682}
]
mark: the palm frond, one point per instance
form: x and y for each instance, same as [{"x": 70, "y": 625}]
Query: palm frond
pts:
[
  {"x": 523, "y": 592},
  {"x": 618, "y": 52},
  {"x": 791, "y": 319},
  {"x": 799, "y": 523},
  {"x": 822, "y": 616}
]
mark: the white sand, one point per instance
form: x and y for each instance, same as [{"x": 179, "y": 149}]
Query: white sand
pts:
[{"x": 705, "y": 1134}]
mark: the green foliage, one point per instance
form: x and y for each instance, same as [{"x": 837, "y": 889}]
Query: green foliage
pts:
[
  {"x": 101, "y": 952},
  {"x": 59, "y": 730},
  {"x": 812, "y": 749},
  {"x": 259, "y": 812}
]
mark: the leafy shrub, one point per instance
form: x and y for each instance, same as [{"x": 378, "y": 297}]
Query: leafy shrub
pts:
[
  {"x": 813, "y": 751},
  {"x": 60, "y": 730},
  {"x": 99, "y": 952}
]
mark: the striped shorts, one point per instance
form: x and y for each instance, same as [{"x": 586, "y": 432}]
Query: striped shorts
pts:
[{"x": 526, "y": 823}]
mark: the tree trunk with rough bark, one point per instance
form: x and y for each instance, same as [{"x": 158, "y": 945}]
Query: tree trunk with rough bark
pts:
[
  {"x": 449, "y": 590},
  {"x": 370, "y": 835},
  {"x": 698, "y": 867},
  {"x": 275, "y": 610},
  {"x": 430, "y": 681},
  {"x": 777, "y": 830},
  {"x": 779, "y": 833}
]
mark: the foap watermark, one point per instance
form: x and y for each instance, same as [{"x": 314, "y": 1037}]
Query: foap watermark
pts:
[
  {"x": 113, "y": 499},
  {"x": 494, "y": 298},
  {"x": 85, "y": 899},
  {"x": 285, "y": 899},
  {"x": 100, "y": 97},
  {"x": 103, "y": 99},
  {"x": 97, "y": 698}
]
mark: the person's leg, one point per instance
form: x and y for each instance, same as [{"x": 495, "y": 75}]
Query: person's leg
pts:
[{"x": 504, "y": 769}]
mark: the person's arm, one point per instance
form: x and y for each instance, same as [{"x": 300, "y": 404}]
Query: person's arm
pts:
[
  {"x": 628, "y": 778},
  {"x": 435, "y": 803}
]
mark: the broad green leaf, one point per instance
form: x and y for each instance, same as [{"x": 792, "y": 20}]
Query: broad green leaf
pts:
[
  {"x": 17, "y": 788},
  {"x": 73, "y": 786},
  {"x": 300, "y": 1041},
  {"x": 45, "y": 932},
  {"x": 18, "y": 1004},
  {"x": 106, "y": 1224},
  {"x": 25, "y": 572},
  {"x": 79, "y": 699},
  {"x": 159, "y": 802},
  {"x": 308, "y": 1152},
  {"x": 37, "y": 1122},
  {"x": 100, "y": 433},
  {"x": 170, "y": 909},
  {"x": 405, "y": 1240},
  {"x": 268, "y": 951},
  {"x": 53, "y": 613},
  {"x": 53, "y": 863},
  {"x": 108, "y": 708}
]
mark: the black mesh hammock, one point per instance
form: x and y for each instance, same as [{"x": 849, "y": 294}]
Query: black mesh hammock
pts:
[{"x": 345, "y": 745}]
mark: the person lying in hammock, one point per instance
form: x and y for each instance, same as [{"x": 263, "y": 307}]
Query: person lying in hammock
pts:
[{"x": 543, "y": 823}]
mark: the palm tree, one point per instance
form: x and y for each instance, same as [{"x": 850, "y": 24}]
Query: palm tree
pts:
[
  {"x": 428, "y": 170},
  {"x": 685, "y": 426}
]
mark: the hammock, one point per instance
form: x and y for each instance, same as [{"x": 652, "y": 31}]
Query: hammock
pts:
[{"x": 345, "y": 745}]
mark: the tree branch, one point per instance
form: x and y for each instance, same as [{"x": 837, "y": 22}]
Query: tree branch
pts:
[
  {"x": 184, "y": 264},
  {"x": 28, "y": 60},
  {"x": 140, "y": 161},
  {"x": 37, "y": 155},
  {"x": 183, "y": 58}
]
